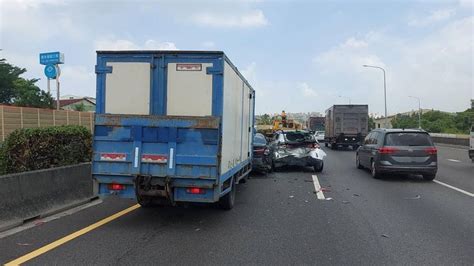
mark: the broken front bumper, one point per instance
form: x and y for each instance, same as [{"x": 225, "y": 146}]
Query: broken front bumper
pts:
[{"x": 299, "y": 157}]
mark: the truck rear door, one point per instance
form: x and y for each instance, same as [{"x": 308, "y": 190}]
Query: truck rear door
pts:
[{"x": 154, "y": 122}]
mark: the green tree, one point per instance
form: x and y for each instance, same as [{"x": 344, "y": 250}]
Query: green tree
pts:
[
  {"x": 28, "y": 94},
  {"x": 265, "y": 120},
  {"x": 79, "y": 107},
  {"x": 371, "y": 123},
  {"x": 8, "y": 75},
  {"x": 20, "y": 91}
]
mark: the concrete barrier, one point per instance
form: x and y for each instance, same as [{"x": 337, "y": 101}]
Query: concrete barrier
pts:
[
  {"x": 453, "y": 139},
  {"x": 29, "y": 195}
]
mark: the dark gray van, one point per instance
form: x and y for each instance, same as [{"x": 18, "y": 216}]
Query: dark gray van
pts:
[{"x": 408, "y": 151}]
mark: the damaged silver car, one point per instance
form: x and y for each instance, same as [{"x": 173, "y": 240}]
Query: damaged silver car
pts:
[{"x": 297, "y": 148}]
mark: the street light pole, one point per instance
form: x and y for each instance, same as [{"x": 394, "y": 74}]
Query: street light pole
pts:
[
  {"x": 384, "y": 89},
  {"x": 419, "y": 110}
]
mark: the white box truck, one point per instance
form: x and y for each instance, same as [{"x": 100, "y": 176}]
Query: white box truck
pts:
[{"x": 171, "y": 126}]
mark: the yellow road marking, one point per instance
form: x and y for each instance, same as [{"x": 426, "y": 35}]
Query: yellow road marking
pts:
[{"x": 70, "y": 237}]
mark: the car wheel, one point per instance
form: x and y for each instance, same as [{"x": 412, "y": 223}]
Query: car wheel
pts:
[
  {"x": 271, "y": 167},
  {"x": 429, "y": 177},
  {"x": 333, "y": 146},
  {"x": 319, "y": 168},
  {"x": 325, "y": 144},
  {"x": 227, "y": 201},
  {"x": 359, "y": 166},
  {"x": 374, "y": 172}
]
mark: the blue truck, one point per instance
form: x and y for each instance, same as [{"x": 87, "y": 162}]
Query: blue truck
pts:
[{"x": 171, "y": 127}]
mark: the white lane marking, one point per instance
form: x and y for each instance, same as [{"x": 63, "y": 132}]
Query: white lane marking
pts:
[
  {"x": 317, "y": 188},
  {"x": 455, "y": 188},
  {"x": 454, "y": 160}
]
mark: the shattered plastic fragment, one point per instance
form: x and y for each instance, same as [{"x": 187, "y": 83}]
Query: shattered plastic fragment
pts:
[
  {"x": 386, "y": 236},
  {"x": 291, "y": 196},
  {"x": 328, "y": 198},
  {"x": 345, "y": 201},
  {"x": 414, "y": 198},
  {"x": 356, "y": 195}
]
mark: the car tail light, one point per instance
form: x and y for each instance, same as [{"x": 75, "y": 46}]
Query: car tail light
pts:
[
  {"x": 313, "y": 145},
  {"x": 114, "y": 186},
  {"x": 259, "y": 151},
  {"x": 196, "y": 190},
  {"x": 387, "y": 150},
  {"x": 431, "y": 150}
]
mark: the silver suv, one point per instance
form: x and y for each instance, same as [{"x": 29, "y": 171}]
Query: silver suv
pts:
[{"x": 408, "y": 151}]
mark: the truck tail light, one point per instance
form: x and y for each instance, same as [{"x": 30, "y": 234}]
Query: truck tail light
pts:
[
  {"x": 196, "y": 190},
  {"x": 115, "y": 186},
  {"x": 387, "y": 150},
  {"x": 431, "y": 150},
  {"x": 259, "y": 151}
]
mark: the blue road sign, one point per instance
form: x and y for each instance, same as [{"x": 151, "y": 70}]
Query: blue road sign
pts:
[
  {"x": 50, "y": 71},
  {"x": 51, "y": 58}
]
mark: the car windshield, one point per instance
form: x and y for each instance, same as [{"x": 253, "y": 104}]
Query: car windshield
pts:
[
  {"x": 299, "y": 136},
  {"x": 259, "y": 139},
  {"x": 408, "y": 139}
]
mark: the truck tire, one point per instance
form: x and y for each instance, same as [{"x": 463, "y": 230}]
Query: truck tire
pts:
[
  {"x": 320, "y": 168},
  {"x": 326, "y": 144},
  {"x": 144, "y": 202},
  {"x": 333, "y": 146},
  {"x": 226, "y": 202}
]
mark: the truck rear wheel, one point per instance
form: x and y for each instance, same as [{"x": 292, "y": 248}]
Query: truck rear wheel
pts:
[
  {"x": 145, "y": 202},
  {"x": 226, "y": 202}
]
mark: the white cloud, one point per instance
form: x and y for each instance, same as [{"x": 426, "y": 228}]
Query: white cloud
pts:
[
  {"x": 122, "y": 44},
  {"x": 249, "y": 19},
  {"x": 208, "y": 45},
  {"x": 434, "y": 17},
  {"x": 306, "y": 90},
  {"x": 250, "y": 73},
  {"x": 466, "y": 4},
  {"x": 432, "y": 67}
]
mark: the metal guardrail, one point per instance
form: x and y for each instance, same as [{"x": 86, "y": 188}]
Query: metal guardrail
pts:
[{"x": 454, "y": 139}]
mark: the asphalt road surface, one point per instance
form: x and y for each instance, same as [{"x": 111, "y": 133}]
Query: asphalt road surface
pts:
[{"x": 279, "y": 219}]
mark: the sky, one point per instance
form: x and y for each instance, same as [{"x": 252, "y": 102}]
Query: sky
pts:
[{"x": 299, "y": 56}]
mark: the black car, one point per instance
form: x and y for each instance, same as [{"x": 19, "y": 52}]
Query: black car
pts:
[
  {"x": 297, "y": 148},
  {"x": 398, "y": 151},
  {"x": 262, "y": 155}
]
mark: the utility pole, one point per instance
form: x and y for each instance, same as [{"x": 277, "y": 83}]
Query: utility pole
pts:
[
  {"x": 384, "y": 90},
  {"x": 419, "y": 110}
]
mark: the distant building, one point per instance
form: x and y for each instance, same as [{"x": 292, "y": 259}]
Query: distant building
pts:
[
  {"x": 382, "y": 122},
  {"x": 75, "y": 104}
]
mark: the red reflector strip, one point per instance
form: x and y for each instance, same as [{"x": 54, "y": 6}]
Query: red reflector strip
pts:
[
  {"x": 113, "y": 157},
  {"x": 196, "y": 190},
  {"x": 116, "y": 187},
  {"x": 154, "y": 158}
]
